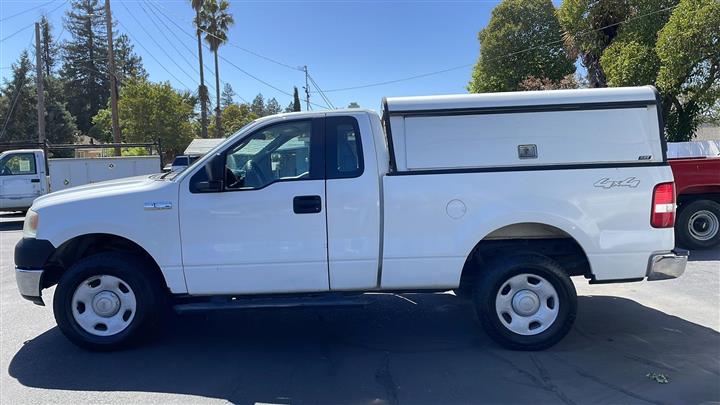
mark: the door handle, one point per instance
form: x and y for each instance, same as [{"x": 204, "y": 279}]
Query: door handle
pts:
[
  {"x": 307, "y": 204},
  {"x": 35, "y": 180}
]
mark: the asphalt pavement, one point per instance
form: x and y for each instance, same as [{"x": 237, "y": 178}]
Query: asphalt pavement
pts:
[{"x": 416, "y": 349}]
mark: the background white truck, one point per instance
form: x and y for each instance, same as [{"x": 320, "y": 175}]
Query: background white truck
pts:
[
  {"x": 501, "y": 197},
  {"x": 26, "y": 174}
]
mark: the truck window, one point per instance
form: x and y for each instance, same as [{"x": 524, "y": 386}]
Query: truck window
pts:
[
  {"x": 345, "y": 158},
  {"x": 279, "y": 152},
  {"x": 18, "y": 164}
]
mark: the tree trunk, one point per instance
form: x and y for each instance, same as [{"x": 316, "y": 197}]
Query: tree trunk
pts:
[
  {"x": 218, "y": 125},
  {"x": 202, "y": 90}
]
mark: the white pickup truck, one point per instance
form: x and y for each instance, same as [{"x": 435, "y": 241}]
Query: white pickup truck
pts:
[
  {"x": 500, "y": 197},
  {"x": 25, "y": 174}
]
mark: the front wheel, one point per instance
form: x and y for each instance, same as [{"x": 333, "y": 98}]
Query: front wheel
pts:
[
  {"x": 698, "y": 225},
  {"x": 107, "y": 301},
  {"x": 525, "y": 302}
]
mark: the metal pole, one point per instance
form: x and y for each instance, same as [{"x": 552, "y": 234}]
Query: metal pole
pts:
[
  {"x": 307, "y": 89},
  {"x": 113, "y": 80},
  {"x": 40, "y": 86}
]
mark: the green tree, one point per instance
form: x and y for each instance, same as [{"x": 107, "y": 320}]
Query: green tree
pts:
[
  {"x": 353, "y": 105},
  {"x": 228, "y": 96},
  {"x": 84, "y": 70},
  {"x": 151, "y": 112},
  {"x": 272, "y": 107},
  {"x": 197, "y": 5},
  {"x": 128, "y": 64},
  {"x": 59, "y": 123},
  {"x": 688, "y": 48},
  {"x": 18, "y": 109},
  {"x": 50, "y": 49},
  {"x": 235, "y": 116},
  {"x": 216, "y": 21},
  {"x": 523, "y": 38},
  {"x": 296, "y": 100},
  {"x": 258, "y": 105},
  {"x": 607, "y": 35}
]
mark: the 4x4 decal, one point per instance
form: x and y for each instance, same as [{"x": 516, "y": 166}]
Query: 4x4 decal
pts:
[{"x": 631, "y": 182}]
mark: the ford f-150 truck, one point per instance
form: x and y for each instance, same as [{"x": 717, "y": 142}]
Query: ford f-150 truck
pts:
[{"x": 499, "y": 197}]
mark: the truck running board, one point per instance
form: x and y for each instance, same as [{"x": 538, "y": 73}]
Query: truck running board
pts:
[{"x": 272, "y": 302}]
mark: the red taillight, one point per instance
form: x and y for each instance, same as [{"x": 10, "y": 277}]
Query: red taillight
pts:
[{"x": 663, "y": 206}]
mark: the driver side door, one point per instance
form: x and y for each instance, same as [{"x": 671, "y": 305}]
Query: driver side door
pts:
[{"x": 265, "y": 230}]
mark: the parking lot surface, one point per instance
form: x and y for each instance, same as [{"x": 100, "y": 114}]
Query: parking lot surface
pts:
[{"x": 417, "y": 349}]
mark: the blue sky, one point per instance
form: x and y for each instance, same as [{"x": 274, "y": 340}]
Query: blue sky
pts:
[{"x": 343, "y": 43}]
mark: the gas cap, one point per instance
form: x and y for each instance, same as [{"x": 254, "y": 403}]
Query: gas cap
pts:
[{"x": 456, "y": 209}]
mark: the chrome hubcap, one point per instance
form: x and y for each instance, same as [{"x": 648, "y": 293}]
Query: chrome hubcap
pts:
[
  {"x": 703, "y": 225},
  {"x": 104, "y": 305},
  {"x": 527, "y": 304}
]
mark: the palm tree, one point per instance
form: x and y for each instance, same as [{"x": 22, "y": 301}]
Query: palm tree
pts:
[
  {"x": 202, "y": 90},
  {"x": 216, "y": 22}
]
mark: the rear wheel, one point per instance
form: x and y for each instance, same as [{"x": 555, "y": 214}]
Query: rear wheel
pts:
[
  {"x": 525, "y": 302},
  {"x": 698, "y": 225},
  {"x": 107, "y": 301}
]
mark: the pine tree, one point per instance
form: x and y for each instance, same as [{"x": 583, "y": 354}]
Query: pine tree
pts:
[
  {"x": 18, "y": 109},
  {"x": 258, "y": 106},
  {"x": 50, "y": 49},
  {"x": 296, "y": 100},
  {"x": 228, "y": 96},
  {"x": 128, "y": 64},
  {"x": 59, "y": 124},
  {"x": 272, "y": 107},
  {"x": 84, "y": 70}
]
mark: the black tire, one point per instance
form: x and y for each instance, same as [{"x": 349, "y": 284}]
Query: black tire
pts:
[
  {"x": 142, "y": 280},
  {"x": 492, "y": 276},
  {"x": 703, "y": 216}
]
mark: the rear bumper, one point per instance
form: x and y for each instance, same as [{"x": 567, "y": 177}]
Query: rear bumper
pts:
[{"x": 665, "y": 266}]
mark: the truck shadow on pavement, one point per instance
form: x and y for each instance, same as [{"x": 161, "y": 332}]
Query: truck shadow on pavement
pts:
[{"x": 393, "y": 351}]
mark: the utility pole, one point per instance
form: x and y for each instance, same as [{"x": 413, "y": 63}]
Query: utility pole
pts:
[
  {"x": 113, "y": 81},
  {"x": 40, "y": 86},
  {"x": 307, "y": 90}
]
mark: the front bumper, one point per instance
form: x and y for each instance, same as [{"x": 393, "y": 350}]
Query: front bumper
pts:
[
  {"x": 31, "y": 256},
  {"x": 28, "y": 282},
  {"x": 665, "y": 266}
]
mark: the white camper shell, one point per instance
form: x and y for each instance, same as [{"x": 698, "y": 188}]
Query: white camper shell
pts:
[{"x": 525, "y": 129}]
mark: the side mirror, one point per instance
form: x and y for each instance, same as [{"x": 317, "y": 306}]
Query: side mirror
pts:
[{"x": 211, "y": 178}]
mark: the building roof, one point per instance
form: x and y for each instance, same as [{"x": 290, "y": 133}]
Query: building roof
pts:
[{"x": 199, "y": 147}]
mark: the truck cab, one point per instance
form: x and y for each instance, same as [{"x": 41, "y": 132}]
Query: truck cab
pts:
[{"x": 22, "y": 178}]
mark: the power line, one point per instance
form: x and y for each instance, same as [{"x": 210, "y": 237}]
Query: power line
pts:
[
  {"x": 238, "y": 67},
  {"x": 18, "y": 90},
  {"x": 267, "y": 58},
  {"x": 499, "y": 57},
  {"x": 158, "y": 45},
  {"x": 153, "y": 6},
  {"x": 322, "y": 93},
  {"x": 33, "y": 23},
  {"x": 192, "y": 66},
  {"x": 26, "y": 11},
  {"x": 153, "y": 57}
]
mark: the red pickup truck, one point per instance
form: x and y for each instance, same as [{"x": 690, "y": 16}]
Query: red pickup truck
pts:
[{"x": 697, "y": 184}]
